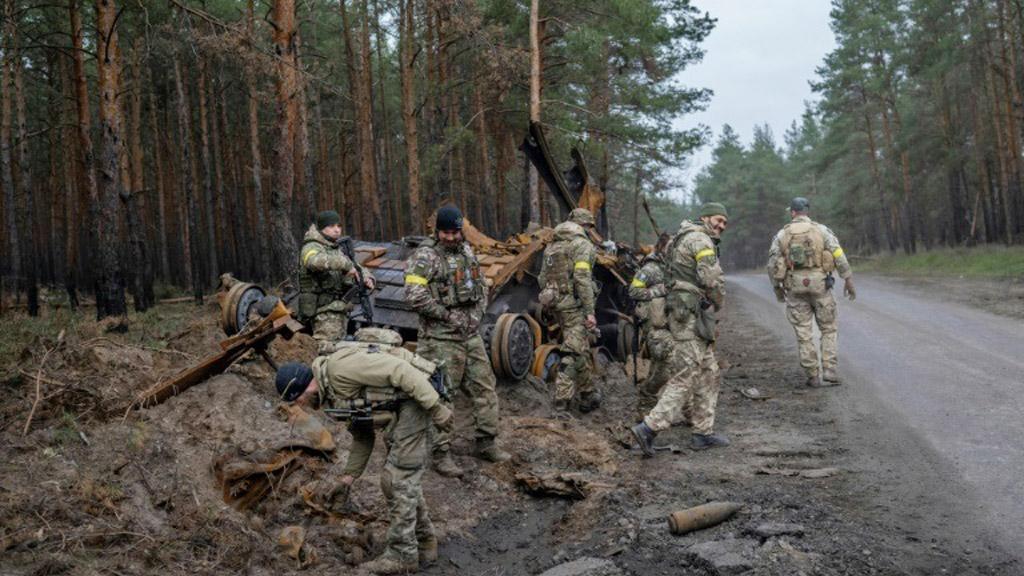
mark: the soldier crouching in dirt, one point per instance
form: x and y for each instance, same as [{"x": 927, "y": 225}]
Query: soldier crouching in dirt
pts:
[{"x": 388, "y": 387}]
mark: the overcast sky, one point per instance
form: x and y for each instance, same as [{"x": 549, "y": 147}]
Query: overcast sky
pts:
[{"x": 758, "y": 61}]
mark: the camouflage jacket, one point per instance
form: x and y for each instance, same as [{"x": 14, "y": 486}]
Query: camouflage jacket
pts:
[
  {"x": 447, "y": 288},
  {"x": 648, "y": 289},
  {"x": 568, "y": 269},
  {"x": 831, "y": 245},
  {"x": 323, "y": 275},
  {"x": 357, "y": 368},
  {"x": 693, "y": 263}
]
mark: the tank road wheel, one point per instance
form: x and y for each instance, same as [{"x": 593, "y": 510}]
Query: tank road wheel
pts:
[
  {"x": 545, "y": 361},
  {"x": 624, "y": 340},
  {"x": 239, "y": 305},
  {"x": 512, "y": 343}
]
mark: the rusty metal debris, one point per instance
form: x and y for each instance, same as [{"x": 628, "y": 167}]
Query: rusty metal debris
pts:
[{"x": 256, "y": 335}]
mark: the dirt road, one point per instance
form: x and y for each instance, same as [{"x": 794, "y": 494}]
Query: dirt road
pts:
[{"x": 933, "y": 398}]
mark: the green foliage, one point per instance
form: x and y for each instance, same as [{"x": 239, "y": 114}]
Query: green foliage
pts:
[{"x": 977, "y": 262}]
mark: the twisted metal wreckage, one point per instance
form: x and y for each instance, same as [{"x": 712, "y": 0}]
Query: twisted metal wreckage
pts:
[{"x": 520, "y": 339}]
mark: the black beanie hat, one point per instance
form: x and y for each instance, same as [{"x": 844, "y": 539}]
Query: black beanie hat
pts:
[
  {"x": 292, "y": 380},
  {"x": 448, "y": 218},
  {"x": 327, "y": 218}
]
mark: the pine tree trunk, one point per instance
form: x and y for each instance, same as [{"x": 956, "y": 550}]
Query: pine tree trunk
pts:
[
  {"x": 406, "y": 45},
  {"x": 387, "y": 184},
  {"x": 354, "y": 80},
  {"x": 193, "y": 273},
  {"x": 484, "y": 189},
  {"x": 283, "y": 242},
  {"x": 110, "y": 296},
  {"x": 260, "y": 245},
  {"x": 161, "y": 190},
  {"x": 535, "y": 88},
  {"x": 212, "y": 242},
  {"x": 136, "y": 202},
  {"x": 367, "y": 155},
  {"x": 6, "y": 159}
]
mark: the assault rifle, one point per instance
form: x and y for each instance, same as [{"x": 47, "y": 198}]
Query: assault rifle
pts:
[
  {"x": 374, "y": 410},
  {"x": 365, "y": 303}
]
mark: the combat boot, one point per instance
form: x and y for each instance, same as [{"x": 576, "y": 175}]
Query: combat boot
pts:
[
  {"x": 390, "y": 563},
  {"x": 813, "y": 381},
  {"x": 444, "y": 464},
  {"x": 830, "y": 377},
  {"x": 644, "y": 437},
  {"x": 428, "y": 550},
  {"x": 487, "y": 449},
  {"x": 590, "y": 401},
  {"x": 705, "y": 441}
]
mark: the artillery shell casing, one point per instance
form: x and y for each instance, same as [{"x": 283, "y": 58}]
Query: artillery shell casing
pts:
[{"x": 700, "y": 517}]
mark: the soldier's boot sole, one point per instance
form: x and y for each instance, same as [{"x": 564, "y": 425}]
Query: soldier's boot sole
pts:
[{"x": 492, "y": 453}]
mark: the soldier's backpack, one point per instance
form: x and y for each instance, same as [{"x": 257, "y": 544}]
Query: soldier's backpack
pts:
[{"x": 803, "y": 248}]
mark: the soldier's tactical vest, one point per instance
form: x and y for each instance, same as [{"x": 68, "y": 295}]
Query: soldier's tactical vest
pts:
[
  {"x": 684, "y": 297},
  {"x": 803, "y": 249},
  {"x": 372, "y": 344},
  {"x": 461, "y": 281},
  {"x": 320, "y": 288}
]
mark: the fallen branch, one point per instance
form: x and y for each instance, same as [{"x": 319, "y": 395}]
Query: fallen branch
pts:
[{"x": 39, "y": 384}]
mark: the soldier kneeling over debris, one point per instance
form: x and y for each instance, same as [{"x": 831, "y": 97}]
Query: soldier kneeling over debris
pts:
[{"x": 374, "y": 383}]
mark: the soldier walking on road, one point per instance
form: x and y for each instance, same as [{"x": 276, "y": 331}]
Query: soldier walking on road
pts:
[
  {"x": 696, "y": 290},
  {"x": 326, "y": 275},
  {"x": 375, "y": 371},
  {"x": 444, "y": 284},
  {"x": 566, "y": 278},
  {"x": 649, "y": 290},
  {"x": 802, "y": 259}
]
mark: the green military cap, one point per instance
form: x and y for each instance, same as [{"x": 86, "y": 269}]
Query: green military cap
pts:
[
  {"x": 327, "y": 218},
  {"x": 582, "y": 216},
  {"x": 713, "y": 209}
]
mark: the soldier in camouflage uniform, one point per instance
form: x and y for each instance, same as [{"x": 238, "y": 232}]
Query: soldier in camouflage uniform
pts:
[
  {"x": 648, "y": 290},
  {"x": 325, "y": 276},
  {"x": 566, "y": 278},
  {"x": 377, "y": 369},
  {"x": 801, "y": 261},
  {"x": 696, "y": 290},
  {"x": 444, "y": 284}
]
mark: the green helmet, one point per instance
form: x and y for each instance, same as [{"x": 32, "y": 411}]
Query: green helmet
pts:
[{"x": 583, "y": 217}]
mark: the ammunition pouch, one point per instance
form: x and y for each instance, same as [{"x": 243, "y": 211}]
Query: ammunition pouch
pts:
[
  {"x": 707, "y": 322},
  {"x": 657, "y": 313}
]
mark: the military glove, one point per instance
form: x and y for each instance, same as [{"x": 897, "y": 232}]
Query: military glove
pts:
[
  {"x": 442, "y": 417},
  {"x": 849, "y": 290},
  {"x": 780, "y": 294}
]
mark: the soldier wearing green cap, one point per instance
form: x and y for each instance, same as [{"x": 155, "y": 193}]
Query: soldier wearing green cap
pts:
[
  {"x": 801, "y": 262},
  {"x": 696, "y": 290},
  {"x": 566, "y": 279},
  {"x": 325, "y": 276}
]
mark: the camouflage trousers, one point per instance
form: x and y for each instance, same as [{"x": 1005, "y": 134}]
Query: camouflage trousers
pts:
[
  {"x": 694, "y": 382},
  {"x": 659, "y": 348},
  {"x": 470, "y": 370},
  {"x": 801, "y": 311},
  {"x": 329, "y": 328},
  {"x": 408, "y": 520},
  {"x": 576, "y": 368}
]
